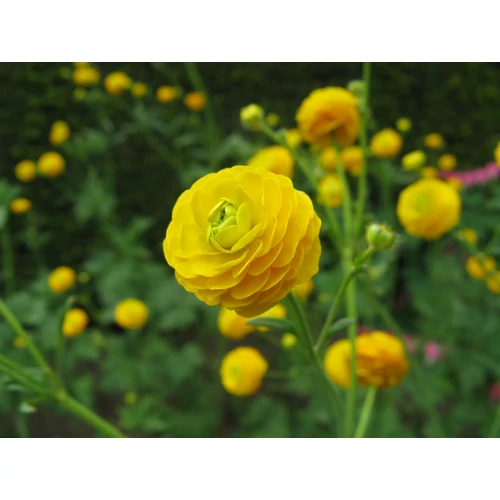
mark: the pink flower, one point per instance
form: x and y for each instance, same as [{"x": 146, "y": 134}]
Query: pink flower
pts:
[
  {"x": 495, "y": 393},
  {"x": 433, "y": 352},
  {"x": 481, "y": 175}
]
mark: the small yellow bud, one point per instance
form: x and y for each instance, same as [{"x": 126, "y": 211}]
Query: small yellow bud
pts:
[
  {"x": 380, "y": 237},
  {"x": 251, "y": 116},
  {"x": 273, "y": 119},
  {"x": 403, "y": 124},
  {"x": 288, "y": 340},
  {"x": 357, "y": 87}
]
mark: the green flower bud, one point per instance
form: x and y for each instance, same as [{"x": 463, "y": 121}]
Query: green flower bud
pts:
[
  {"x": 380, "y": 237},
  {"x": 251, "y": 116}
]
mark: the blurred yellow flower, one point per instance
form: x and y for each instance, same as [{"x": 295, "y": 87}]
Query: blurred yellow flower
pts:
[
  {"x": 480, "y": 266},
  {"x": 80, "y": 64},
  {"x": 86, "y": 76},
  {"x": 327, "y": 114},
  {"x": 242, "y": 238},
  {"x": 496, "y": 154},
  {"x": 328, "y": 158},
  {"x": 428, "y": 208},
  {"x": 139, "y": 89},
  {"x": 434, "y": 141},
  {"x": 493, "y": 282},
  {"x": 232, "y": 325},
  {"x": 352, "y": 160},
  {"x": 447, "y": 162},
  {"x": 386, "y": 144},
  {"x": 468, "y": 235},
  {"x": 166, "y": 94},
  {"x": 429, "y": 173},
  {"x": 195, "y": 101},
  {"x": 75, "y": 322},
  {"x": 117, "y": 82},
  {"x": 59, "y": 132},
  {"x": 61, "y": 279},
  {"x": 273, "y": 119},
  {"x": 380, "y": 357},
  {"x": 20, "y": 206},
  {"x": 242, "y": 371},
  {"x": 276, "y": 159},
  {"x": 293, "y": 138},
  {"x": 251, "y": 116},
  {"x": 414, "y": 160},
  {"x": 303, "y": 290},
  {"x": 403, "y": 125},
  {"x": 131, "y": 313},
  {"x": 330, "y": 191},
  {"x": 25, "y": 171},
  {"x": 19, "y": 342},
  {"x": 51, "y": 164},
  {"x": 288, "y": 340},
  {"x": 455, "y": 183}
]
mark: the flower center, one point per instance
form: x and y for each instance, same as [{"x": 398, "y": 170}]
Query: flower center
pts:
[{"x": 423, "y": 203}]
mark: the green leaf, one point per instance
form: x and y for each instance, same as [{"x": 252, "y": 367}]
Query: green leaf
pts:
[
  {"x": 279, "y": 325},
  {"x": 340, "y": 325}
]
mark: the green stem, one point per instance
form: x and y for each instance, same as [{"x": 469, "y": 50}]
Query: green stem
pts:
[
  {"x": 347, "y": 202},
  {"x": 61, "y": 338},
  {"x": 495, "y": 426},
  {"x": 8, "y": 261},
  {"x": 366, "y": 412},
  {"x": 17, "y": 373}
]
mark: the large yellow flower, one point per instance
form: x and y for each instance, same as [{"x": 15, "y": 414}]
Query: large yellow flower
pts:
[
  {"x": 327, "y": 114},
  {"x": 276, "y": 159},
  {"x": 386, "y": 144},
  {"x": 242, "y": 238},
  {"x": 429, "y": 208}
]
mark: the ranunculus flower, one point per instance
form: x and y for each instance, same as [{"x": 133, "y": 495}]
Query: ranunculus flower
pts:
[
  {"x": 330, "y": 191},
  {"x": 195, "y": 101},
  {"x": 75, "y": 322},
  {"x": 25, "y": 171},
  {"x": 116, "y": 83},
  {"x": 447, "y": 162},
  {"x": 59, "y": 132},
  {"x": 276, "y": 159},
  {"x": 242, "y": 238},
  {"x": 20, "y": 206},
  {"x": 386, "y": 144},
  {"x": 434, "y": 141}
]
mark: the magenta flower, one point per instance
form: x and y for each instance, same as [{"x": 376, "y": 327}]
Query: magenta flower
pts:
[
  {"x": 433, "y": 352},
  {"x": 481, "y": 175}
]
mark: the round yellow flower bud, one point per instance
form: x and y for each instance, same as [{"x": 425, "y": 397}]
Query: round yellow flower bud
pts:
[
  {"x": 25, "y": 171},
  {"x": 166, "y": 94},
  {"x": 242, "y": 238},
  {"x": 328, "y": 158},
  {"x": 251, "y": 116},
  {"x": 480, "y": 266},
  {"x": 131, "y": 313},
  {"x": 496, "y": 154},
  {"x": 273, "y": 119},
  {"x": 493, "y": 283},
  {"x": 428, "y": 208},
  {"x": 447, "y": 162},
  {"x": 434, "y": 141},
  {"x": 288, "y": 340},
  {"x": 380, "y": 236},
  {"x": 327, "y": 114},
  {"x": 232, "y": 325},
  {"x": 403, "y": 125},
  {"x": 86, "y": 76},
  {"x": 139, "y": 89},
  {"x": 330, "y": 192},
  {"x": 303, "y": 290},
  {"x": 386, "y": 144},
  {"x": 380, "y": 357},
  {"x": 20, "y": 206},
  {"x": 195, "y": 101},
  {"x": 61, "y": 279},
  {"x": 293, "y": 138},
  {"x": 75, "y": 322},
  {"x": 276, "y": 159},
  {"x": 117, "y": 82},
  {"x": 429, "y": 173},
  {"x": 352, "y": 160},
  {"x": 19, "y": 342},
  {"x": 468, "y": 235},
  {"x": 242, "y": 371},
  {"x": 51, "y": 164},
  {"x": 414, "y": 160},
  {"x": 59, "y": 132}
]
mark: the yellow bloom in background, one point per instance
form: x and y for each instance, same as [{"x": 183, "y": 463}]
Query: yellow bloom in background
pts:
[
  {"x": 386, "y": 144},
  {"x": 139, "y": 89},
  {"x": 303, "y": 290},
  {"x": 493, "y": 283},
  {"x": 25, "y": 171},
  {"x": 428, "y": 208},
  {"x": 496, "y": 154},
  {"x": 328, "y": 158},
  {"x": 59, "y": 132},
  {"x": 166, "y": 94},
  {"x": 352, "y": 160},
  {"x": 80, "y": 64},
  {"x": 19, "y": 342},
  {"x": 403, "y": 125},
  {"x": 447, "y": 162},
  {"x": 414, "y": 160},
  {"x": 429, "y": 173},
  {"x": 293, "y": 138},
  {"x": 479, "y": 266},
  {"x": 242, "y": 371},
  {"x": 232, "y": 325},
  {"x": 276, "y": 159},
  {"x": 117, "y": 82},
  {"x": 195, "y": 101},
  {"x": 327, "y": 114},
  {"x": 20, "y": 206},
  {"x": 251, "y": 116},
  {"x": 242, "y": 238},
  {"x": 288, "y": 340},
  {"x": 434, "y": 141},
  {"x": 381, "y": 361},
  {"x": 61, "y": 279},
  {"x": 75, "y": 322},
  {"x": 273, "y": 119},
  {"x": 131, "y": 313},
  {"x": 51, "y": 164},
  {"x": 86, "y": 76},
  {"x": 330, "y": 191},
  {"x": 276, "y": 312},
  {"x": 455, "y": 183},
  {"x": 468, "y": 235}
]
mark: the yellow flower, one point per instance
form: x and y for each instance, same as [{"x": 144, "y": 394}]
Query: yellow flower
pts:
[
  {"x": 428, "y": 208},
  {"x": 242, "y": 371},
  {"x": 272, "y": 119},
  {"x": 288, "y": 340},
  {"x": 25, "y": 171},
  {"x": 86, "y": 76},
  {"x": 479, "y": 266},
  {"x": 429, "y": 173},
  {"x": 293, "y": 138},
  {"x": 455, "y": 183},
  {"x": 195, "y": 101},
  {"x": 117, "y": 82},
  {"x": 328, "y": 158},
  {"x": 468, "y": 235},
  {"x": 434, "y": 141},
  {"x": 276, "y": 159},
  {"x": 303, "y": 290},
  {"x": 139, "y": 89},
  {"x": 80, "y": 64},
  {"x": 496, "y": 154},
  {"x": 386, "y": 144},
  {"x": 20, "y": 206},
  {"x": 131, "y": 313},
  {"x": 75, "y": 322},
  {"x": 242, "y": 238},
  {"x": 166, "y": 94},
  {"x": 493, "y": 283},
  {"x": 327, "y": 114},
  {"x": 403, "y": 124},
  {"x": 447, "y": 162},
  {"x": 352, "y": 160},
  {"x": 232, "y": 325},
  {"x": 19, "y": 342},
  {"x": 51, "y": 164},
  {"x": 330, "y": 191},
  {"x": 380, "y": 361},
  {"x": 251, "y": 116},
  {"x": 61, "y": 279},
  {"x": 59, "y": 132},
  {"x": 414, "y": 160}
]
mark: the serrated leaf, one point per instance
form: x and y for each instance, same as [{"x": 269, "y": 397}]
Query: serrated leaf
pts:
[{"x": 279, "y": 325}]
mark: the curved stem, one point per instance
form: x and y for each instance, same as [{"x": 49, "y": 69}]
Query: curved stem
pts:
[
  {"x": 17, "y": 373},
  {"x": 366, "y": 412},
  {"x": 347, "y": 203}
]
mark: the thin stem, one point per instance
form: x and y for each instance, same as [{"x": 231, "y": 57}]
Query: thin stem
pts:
[
  {"x": 8, "y": 261},
  {"x": 347, "y": 203},
  {"x": 366, "y": 412},
  {"x": 495, "y": 426}
]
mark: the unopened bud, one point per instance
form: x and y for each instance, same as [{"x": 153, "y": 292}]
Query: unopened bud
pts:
[
  {"x": 380, "y": 237},
  {"x": 251, "y": 116}
]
